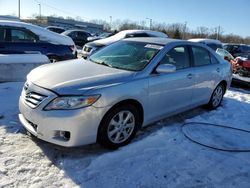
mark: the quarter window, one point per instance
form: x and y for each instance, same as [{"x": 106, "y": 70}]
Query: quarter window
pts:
[
  {"x": 213, "y": 59},
  {"x": 177, "y": 56},
  {"x": 201, "y": 56},
  {"x": 82, "y": 36},
  {"x": 22, "y": 36}
]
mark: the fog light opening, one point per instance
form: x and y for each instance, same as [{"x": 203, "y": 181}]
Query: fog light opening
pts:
[{"x": 63, "y": 135}]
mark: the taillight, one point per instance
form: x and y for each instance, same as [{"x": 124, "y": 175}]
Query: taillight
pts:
[
  {"x": 72, "y": 48},
  {"x": 246, "y": 64}
]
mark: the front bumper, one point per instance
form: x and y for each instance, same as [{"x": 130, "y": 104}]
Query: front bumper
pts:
[{"x": 81, "y": 125}]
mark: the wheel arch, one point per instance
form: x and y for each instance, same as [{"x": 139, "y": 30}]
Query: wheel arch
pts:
[
  {"x": 224, "y": 83},
  {"x": 133, "y": 102}
]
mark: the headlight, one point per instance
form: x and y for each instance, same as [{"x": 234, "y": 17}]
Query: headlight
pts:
[{"x": 71, "y": 102}]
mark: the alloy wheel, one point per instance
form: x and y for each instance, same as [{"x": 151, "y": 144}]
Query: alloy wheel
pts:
[{"x": 121, "y": 126}]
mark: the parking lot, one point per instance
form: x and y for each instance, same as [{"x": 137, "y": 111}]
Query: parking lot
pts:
[
  {"x": 160, "y": 156},
  {"x": 124, "y": 94}
]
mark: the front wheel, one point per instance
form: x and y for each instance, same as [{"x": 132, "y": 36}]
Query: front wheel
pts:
[
  {"x": 118, "y": 127},
  {"x": 217, "y": 96}
]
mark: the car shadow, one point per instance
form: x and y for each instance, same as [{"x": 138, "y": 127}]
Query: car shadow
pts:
[{"x": 74, "y": 161}]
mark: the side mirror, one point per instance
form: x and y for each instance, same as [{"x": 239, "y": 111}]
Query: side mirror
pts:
[{"x": 165, "y": 68}]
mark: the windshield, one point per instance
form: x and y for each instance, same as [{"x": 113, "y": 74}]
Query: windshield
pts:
[{"x": 126, "y": 55}]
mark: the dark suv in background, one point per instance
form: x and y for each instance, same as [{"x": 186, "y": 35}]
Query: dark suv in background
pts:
[
  {"x": 20, "y": 37},
  {"x": 238, "y": 50},
  {"x": 80, "y": 37},
  {"x": 55, "y": 29}
]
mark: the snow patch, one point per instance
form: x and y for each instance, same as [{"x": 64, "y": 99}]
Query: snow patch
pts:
[{"x": 160, "y": 156}]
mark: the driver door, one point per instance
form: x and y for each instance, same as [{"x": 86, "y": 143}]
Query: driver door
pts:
[{"x": 170, "y": 93}]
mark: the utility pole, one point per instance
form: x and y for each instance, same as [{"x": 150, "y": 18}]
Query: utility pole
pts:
[
  {"x": 19, "y": 14},
  {"x": 150, "y": 22},
  {"x": 110, "y": 19},
  {"x": 184, "y": 31},
  {"x": 40, "y": 15},
  {"x": 218, "y": 33}
]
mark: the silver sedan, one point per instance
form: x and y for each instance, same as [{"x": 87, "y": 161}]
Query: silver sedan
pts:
[{"x": 124, "y": 86}]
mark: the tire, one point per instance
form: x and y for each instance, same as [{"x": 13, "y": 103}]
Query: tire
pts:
[
  {"x": 118, "y": 127},
  {"x": 53, "y": 58},
  {"x": 217, "y": 96}
]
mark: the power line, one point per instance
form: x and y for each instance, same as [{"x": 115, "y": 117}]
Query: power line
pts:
[{"x": 60, "y": 10}]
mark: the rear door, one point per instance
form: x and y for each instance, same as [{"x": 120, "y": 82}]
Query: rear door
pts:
[
  {"x": 207, "y": 74},
  {"x": 171, "y": 92}
]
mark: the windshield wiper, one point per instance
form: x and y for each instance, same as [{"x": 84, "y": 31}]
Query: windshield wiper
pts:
[
  {"x": 104, "y": 63},
  {"x": 101, "y": 63}
]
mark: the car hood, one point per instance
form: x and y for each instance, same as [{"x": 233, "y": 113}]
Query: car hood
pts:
[
  {"x": 77, "y": 76},
  {"x": 107, "y": 41}
]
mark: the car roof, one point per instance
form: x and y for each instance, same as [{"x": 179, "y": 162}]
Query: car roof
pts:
[
  {"x": 121, "y": 35},
  {"x": 154, "y": 40},
  {"x": 235, "y": 44},
  {"x": 73, "y": 30},
  {"x": 133, "y": 31},
  {"x": 205, "y": 40},
  {"x": 165, "y": 41},
  {"x": 56, "y": 27},
  {"x": 43, "y": 33}
]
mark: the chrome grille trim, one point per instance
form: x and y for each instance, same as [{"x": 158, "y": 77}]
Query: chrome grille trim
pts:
[{"x": 33, "y": 99}]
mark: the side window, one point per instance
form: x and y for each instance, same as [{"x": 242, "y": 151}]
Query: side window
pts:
[
  {"x": 22, "y": 36},
  {"x": 82, "y": 36},
  {"x": 177, "y": 56},
  {"x": 201, "y": 56},
  {"x": 73, "y": 35},
  {"x": 137, "y": 35},
  {"x": 2, "y": 34}
]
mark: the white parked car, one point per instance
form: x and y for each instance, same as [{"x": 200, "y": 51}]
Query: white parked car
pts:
[
  {"x": 126, "y": 85},
  {"x": 92, "y": 47}
]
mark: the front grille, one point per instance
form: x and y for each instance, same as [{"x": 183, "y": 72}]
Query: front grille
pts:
[
  {"x": 33, "y": 99},
  {"x": 87, "y": 49}
]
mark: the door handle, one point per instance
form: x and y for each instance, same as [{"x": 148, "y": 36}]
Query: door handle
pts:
[
  {"x": 218, "y": 69},
  {"x": 190, "y": 76}
]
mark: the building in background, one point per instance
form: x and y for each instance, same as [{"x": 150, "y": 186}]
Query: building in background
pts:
[
  {"x": 45, "y": 21},
  {"x": 9, "y": 18}
]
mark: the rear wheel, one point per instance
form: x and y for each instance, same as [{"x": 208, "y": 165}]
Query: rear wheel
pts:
[
  {"x": 118, "y": 127},
  {"x": 217, "y": 96}
]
